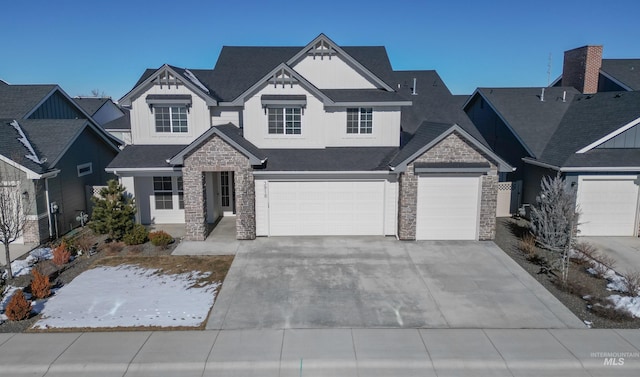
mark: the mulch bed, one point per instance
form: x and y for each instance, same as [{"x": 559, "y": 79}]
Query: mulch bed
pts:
[{"x": 509, "y": 233}]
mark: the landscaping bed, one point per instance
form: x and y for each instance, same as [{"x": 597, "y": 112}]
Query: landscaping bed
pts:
[
  {"x": 114, "y": 257},
  {"x": 592, "y": 310}
]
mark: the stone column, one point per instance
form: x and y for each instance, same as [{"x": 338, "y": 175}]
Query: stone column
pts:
[{"x": 194, "y": 204}]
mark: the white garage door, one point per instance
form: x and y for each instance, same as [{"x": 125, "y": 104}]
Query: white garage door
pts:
[
  {"x": 448, "y": 208},
  {"x": 608, "y": 206},
  {"x": 326, "y": 208}
]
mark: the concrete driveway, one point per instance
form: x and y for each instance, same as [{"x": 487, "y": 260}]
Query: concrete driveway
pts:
[
  {"x": 376, "y": 282},
  {"x": 625, "y": 250}
]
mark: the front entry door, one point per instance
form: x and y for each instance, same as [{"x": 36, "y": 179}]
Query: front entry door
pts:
[{"x": 226, "y": 191}]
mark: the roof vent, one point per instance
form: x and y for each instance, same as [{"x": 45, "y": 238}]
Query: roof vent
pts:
[
  {"x": 542, "y": 95},
  {"x": 564, "y": 96},
  {"x": 413, "y": 90}
]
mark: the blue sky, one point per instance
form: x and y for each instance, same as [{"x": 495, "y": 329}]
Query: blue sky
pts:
[{"x": 106, "y": 45}]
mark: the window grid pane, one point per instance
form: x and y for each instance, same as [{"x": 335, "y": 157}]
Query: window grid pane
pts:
[
  {"x": 352, "y": 121},
  {"x": 163, "y": 119},
  {"x": 276, "y": 121},
  {"x": 162, "y": 192},
  {"x": 366, "y": 121},
  {"x": 179, "y": 119},
  {"x": 171, "y": 119},
  {"x": 293, "y": 121}
]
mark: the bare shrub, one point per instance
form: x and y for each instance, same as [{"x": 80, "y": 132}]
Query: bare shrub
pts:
[
  {"x": 135, "y": 249},
  {"x": 604, "y": 309},
  {"x": 632, "y": 282},
  {"x": 114, "y": 248},
  {"x": 586, "y": 249},
  {"x": 18, "y": 307},
  {"x": 40, "y": 285},
  {"x": 85, "y": 242},
  {"x": 573, "y": 286},
  {"x": 61, "y": 254},
  {"x": 528, "y": 245},
  {"x": 603, "y": 264}
]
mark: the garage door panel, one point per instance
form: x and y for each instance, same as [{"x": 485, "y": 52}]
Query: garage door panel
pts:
[
  {"x": 448, "y": 208},
  {"x": 326, "y": 208},
  {"x": 608, "y": 206}
]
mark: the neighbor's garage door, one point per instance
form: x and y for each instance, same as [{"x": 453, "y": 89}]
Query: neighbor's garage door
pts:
[
  {"x": 608, "y": 206},
  {"x": 448, "y": 208},
  {"x": 326, "y": 208}
]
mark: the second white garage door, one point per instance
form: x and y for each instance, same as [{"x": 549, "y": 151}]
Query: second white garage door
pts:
[
  {"x": 448, "y": 208},
  {"x": 608, "y": 205},
  {"x": 328, "y": 208}
]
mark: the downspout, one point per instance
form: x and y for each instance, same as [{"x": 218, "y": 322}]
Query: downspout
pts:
[{"x": 46, "y": 194}]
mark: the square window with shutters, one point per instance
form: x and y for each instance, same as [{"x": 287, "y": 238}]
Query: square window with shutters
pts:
[
  {"x": 359, "y": 120},
  {"x": 284, "y": 120},
  {"x": 171, "y": 119},
  {"x": 162, "y": 192}
]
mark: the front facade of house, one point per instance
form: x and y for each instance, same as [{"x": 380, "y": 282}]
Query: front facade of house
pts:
[{"x": 297, "y": 141}]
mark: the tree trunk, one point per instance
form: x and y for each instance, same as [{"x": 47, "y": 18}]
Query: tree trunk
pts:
[{"x": 8, "y": 258}]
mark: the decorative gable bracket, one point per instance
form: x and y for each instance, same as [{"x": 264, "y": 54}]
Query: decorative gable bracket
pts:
[
  {"x": 322, "y": 48},
  {"x": 283, "y": 77}
]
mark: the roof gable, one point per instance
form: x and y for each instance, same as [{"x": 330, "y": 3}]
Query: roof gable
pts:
[
  {"x": 170, "y": 76},
  {"x": 18, "y": 101},
  {"x": 531, "y": 114},
  {"x": 430, "y": 134},
  {"x": 624, "y": 72},
  {"x": 322, "y": 47},
  {"x": 231, "y": 135}
]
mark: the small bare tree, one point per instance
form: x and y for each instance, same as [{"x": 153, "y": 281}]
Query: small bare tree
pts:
[
  {"x": 554, "y": 220},
  {"x": 14, "y": 207}
]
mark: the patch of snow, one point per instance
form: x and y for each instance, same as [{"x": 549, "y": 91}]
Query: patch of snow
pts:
[
  {"x": 626, "y": 303},
  {"x": 195, "y": 80},
  {"x": 616, "y": 282},
  {"x": 23, "y": 139},
  {"x": 592, "y": 271},
  {"x": 129, "y": 296},
  {"x": 43, "y": 253},
  {"x": 588, "y": 323},
  {"x": 20, "y": 267}
]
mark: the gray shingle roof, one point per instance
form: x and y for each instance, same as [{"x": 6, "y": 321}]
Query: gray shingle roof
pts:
[
  {"x": 329, "y": 159},
  {"x": 18, "y": 100},
  {"x": 533, "y": 120},
  {"x": 362, "y": 95},
  {"x": 588, "y": 119},
  {"x": 89, "y": 104},
  {"x": 627, "y": 71},
  {"x": 123, "y": 123},
  {"x": 145, "y": 156},
  {"x": 48, "y": 137}
]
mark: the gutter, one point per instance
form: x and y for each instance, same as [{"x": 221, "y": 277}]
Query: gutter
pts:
[{"x": 570, "y": 169}]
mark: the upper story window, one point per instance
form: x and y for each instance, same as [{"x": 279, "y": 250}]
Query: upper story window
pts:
[
  {"x": 359, "y": 120},
  {"x": 171, "y": 119},
  {"x": 285, "y": 120}
]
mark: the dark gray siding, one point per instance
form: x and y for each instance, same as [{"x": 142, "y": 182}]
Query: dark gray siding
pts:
[
  {"x": 497, "y": 134},
  {"x": 532, "y": 177},
  {"x": 57, "y": 107},
  {"x": 69, "y": 190},
  {"x": 606, "y": 85},
  {"x": 628, "y": 139}
]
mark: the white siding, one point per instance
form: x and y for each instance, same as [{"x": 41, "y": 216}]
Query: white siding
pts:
[
  {"x": 225, "y": 115},
  {"x": 331, "y": 73},
  {"x": 390, "y": 208},
  {"x": 262, "y": 208},
  {"x": 145, "y": 201},
  {"x": 143, "y": 119},
  {"x": 320, "y": 128},
  {"x": 313, "y": 121}
]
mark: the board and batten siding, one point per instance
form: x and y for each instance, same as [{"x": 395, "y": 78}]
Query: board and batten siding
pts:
[
  {"x": 57, "y": 106},
  {"x": 320, "y": 127},
  {"x": 331, "y": 73},
  {"x": 143, "y": 123},
  {"x": 146, "y": 203}
]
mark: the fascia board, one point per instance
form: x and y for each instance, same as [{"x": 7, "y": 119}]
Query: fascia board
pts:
[{"x": 616, "y": 81}]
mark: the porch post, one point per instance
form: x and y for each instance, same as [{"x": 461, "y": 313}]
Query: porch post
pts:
[{"x": 194, "y": 204}]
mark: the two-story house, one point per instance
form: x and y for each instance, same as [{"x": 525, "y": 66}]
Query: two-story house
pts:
[
  {"x": 313, "y": 140},
  {"x": 50, "y": 151}
]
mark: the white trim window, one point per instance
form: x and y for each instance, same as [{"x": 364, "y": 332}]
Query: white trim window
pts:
[
  {"x": 84, "y": 169},
  {"x": 284, "y": 120},
  {"x": 360, "y": 120},
  {"x": 163, "y": 192},
  {"x": 171, "y": 119}
]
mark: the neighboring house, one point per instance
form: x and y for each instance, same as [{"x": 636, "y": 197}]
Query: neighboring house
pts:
[
  {"x": 585, "y": 70},
  {"x": 113, "y": 118},
  {"x": 50, "y": 149},
  {"x": 314, "y": 140},
  {"x": 593, "y": 140}
]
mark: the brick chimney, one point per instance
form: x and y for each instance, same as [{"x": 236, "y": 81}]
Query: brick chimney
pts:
[{"x": 582, "y": 67}]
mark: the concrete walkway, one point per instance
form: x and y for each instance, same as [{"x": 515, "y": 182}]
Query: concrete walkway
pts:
[
  {"x": 221, "y": 241},
  {"x": 327, "y": 352},
  {"x": 625, "y": 250}
]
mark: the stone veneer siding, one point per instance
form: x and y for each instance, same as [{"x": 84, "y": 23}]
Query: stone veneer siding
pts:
[
  {"x": 452, "y": 149},
  {"x": 215, "y": 155}
]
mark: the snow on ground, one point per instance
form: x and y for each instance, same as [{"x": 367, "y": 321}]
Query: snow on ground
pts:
[
  {"x": 129, "y": 296},
  {"x": 21, "y": 267},
  {"x": 626, "y": 303},
  {"x": 5, "y": 296}
]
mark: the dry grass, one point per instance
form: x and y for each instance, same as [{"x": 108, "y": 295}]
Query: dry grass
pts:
[{"x": 218, "y": 265}]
